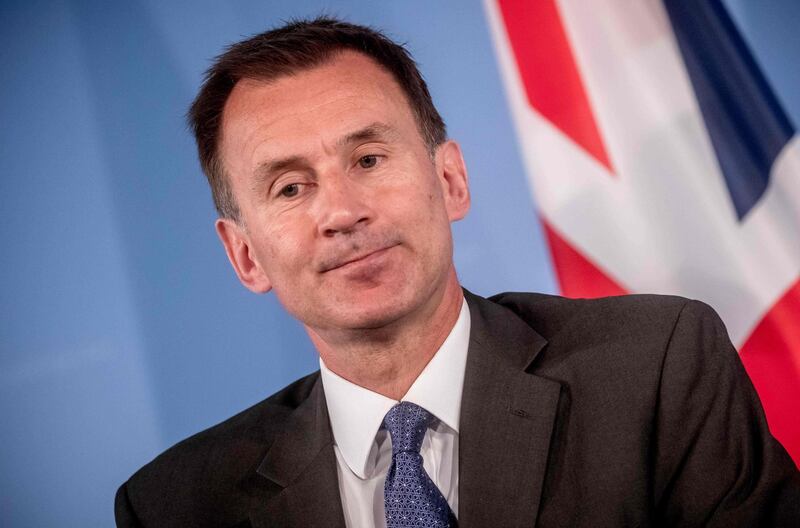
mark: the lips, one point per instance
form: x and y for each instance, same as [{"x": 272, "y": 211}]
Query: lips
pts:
[{"x": 345, "y": 260}]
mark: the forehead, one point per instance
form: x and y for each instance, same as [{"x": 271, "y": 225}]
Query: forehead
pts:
[{"x": 312, "y": 106}]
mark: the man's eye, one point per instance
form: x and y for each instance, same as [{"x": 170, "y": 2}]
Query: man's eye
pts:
[
  {"x": 290, "y": 190},
  {"x": 367, "y": 162}
]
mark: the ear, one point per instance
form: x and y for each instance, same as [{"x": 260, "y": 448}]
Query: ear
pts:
[
  {"x": 453, "y": 177},
  {"x": 237, "y": 246}
]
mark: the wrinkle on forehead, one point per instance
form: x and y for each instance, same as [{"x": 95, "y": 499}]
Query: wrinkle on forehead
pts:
[{"x": 277, "y": 119}]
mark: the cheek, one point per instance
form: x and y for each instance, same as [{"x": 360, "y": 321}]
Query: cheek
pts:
[
  {"x": 287, "y": 255},
  {"x": 275, "y": 255},
  {"x": 278, "y": 240}
]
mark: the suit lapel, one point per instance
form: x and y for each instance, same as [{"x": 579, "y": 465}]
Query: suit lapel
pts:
[
  {"x": 507, "y": 417},
  {"x": 303, "y": 463}
]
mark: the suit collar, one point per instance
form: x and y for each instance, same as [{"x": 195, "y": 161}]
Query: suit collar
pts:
[
  {"x": 302, "y": 462},
  {"x": 507, "y": 417}
]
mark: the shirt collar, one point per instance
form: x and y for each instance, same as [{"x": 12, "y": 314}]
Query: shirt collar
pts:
[{"x": 357, "y": 413}]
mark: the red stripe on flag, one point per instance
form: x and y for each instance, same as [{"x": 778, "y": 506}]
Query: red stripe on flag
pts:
[
  {"x": 577, "y": 275},
  {"x": 549, "y": 73},
  {"x": 771, "y": 356}
]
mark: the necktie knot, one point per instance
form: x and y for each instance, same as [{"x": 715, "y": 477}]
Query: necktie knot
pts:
[{"x": 407, "y": 424}]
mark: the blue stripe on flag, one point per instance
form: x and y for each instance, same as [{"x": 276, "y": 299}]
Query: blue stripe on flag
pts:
[{"x": 747, "y": 125}]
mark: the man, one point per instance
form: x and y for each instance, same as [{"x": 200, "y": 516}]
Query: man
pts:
[{"x": 336, "y": 187}]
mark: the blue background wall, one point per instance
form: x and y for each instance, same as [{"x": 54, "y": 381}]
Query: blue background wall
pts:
[{"x": 123, "y": 329}]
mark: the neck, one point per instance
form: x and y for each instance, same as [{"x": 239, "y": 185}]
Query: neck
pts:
[{"x": 387, "y": 360}]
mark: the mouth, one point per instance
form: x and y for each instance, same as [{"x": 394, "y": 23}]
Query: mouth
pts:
[{"x": 353, "y": 260}]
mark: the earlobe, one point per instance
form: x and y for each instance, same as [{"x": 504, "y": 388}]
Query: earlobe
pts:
[
  {"x": 237, "y": 246},
  {"x": 455, "y": 184}
]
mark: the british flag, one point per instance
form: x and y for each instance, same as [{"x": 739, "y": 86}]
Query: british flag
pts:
[{"x": 661, "y": 161}]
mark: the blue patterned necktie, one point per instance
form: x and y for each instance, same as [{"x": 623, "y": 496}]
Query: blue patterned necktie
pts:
[{"x": 410, "y": 496}]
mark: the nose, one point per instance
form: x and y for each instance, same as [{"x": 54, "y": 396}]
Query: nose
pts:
[{"x": 341, "y": 205}]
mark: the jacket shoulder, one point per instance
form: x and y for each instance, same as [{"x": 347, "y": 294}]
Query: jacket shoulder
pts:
[
  {"x": 622, "y": 337},
  {"x": 210, "y": 468},
  {"x": 602, "y": 318}
]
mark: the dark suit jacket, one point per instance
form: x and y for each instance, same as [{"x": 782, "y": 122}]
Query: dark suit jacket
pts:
[{"x": 628, "y": 411}]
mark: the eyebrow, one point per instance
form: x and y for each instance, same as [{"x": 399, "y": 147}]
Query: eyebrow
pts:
[
  {"x": 370, "y": 132},
  {"x": 267, "y": 170}
]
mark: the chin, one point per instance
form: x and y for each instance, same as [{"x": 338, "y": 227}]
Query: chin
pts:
[
  {"x": 373, "y": 311},
  {"x": 370, "y": 319}
]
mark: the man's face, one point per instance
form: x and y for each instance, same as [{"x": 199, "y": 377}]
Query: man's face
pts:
[{"x": 343, "y": 212}]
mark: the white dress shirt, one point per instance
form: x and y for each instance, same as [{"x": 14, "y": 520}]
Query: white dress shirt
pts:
[{"x": 364, "y": 450}]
